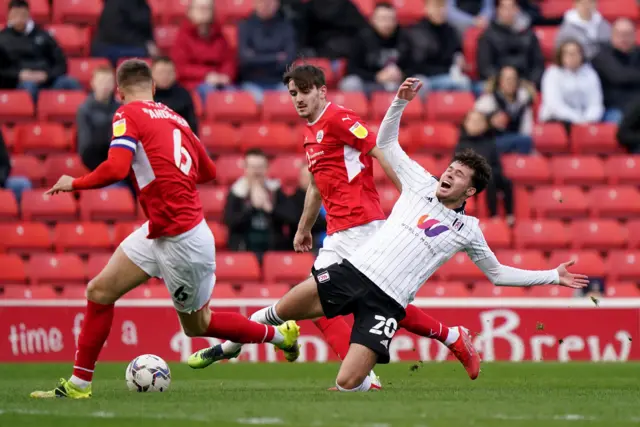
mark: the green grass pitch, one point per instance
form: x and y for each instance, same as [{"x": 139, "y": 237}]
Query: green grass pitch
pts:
[{"x": 429, "y": 395}]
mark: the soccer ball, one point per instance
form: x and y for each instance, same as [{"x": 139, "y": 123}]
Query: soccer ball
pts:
[{"x": 148, "y": 373}]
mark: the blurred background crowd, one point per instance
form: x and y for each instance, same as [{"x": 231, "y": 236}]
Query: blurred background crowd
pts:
[{"x": 547, "y": 90}]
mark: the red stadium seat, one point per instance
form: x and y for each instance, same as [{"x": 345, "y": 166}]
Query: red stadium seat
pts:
[
  {"x": 219, "y": 138},
  {"x": 550, "y": 138},
  {"x": 82, "y": 69},
  {"x": 633, "y": 233},
  {"x": 259, "y": 290},
  {"x": 624, "y": 265},
  {"x": 73, "y": 293},
  {"x": 552, "y": 292},
  {"x": 355, "y": 101},
  {"x": 543, "y": 234},
  {"x": 237, "y": 267},
  {"x": 231, "y": 107},
  {"x": 60, "y": 105},
  {"x": 15, "y": 106},
  {"x": 587, "y": 262},
  {"x": 449, "y": 106},
  {"x": 122, "y": 230},
  {"x": 380, "y": 102},
  {"x": 322, "y": 63},
  {"x": 460, "y": 267},
  {"x": 38, "y": 206},
  {"x": 601, "y": 234},
  {"x": 555, "y": 8},
  {"x": 271, "y": 138},
  {"x": 486, "y": 289},
  {"x": 29, "y": 166},
  {"x": 60, "y": 269},
  {"x": 287, "y": 267},
  {"x": 277, "y": 107},
  {"x": 230, "y": 34},
  {"x": 577, "y": 170},
  {"x": 597, "y": 138},
  {"x": 287, "y": 168},
  {"x": 13, "y": 269},
  {"x": 114, "y": 204},
  {"x": 547, "y": 38},
  {"x": 220, "y": 234},
  {"x": 409, "y": 11},
  {"x": 623, "y": 169},
  {"x": 622, "y": 290},
  {"x": 365, "y": 7},
  {"x": 524, "y": 259},
  {"x": 437, "y": 289},
  {"x": 559, "y": 202},
  {"x": 497, "y": 233},
  {"x": 388, "y": 198},
  {"x": 611, "y": 10},
  {"x": 25, "y": 237},
  {"x": 614, "y": 202},
  {"x": 213, "y": 201},
  {"x": 82, "y": 237},
  {"x": 62, "y": 164},
  {"x": 165, "y": 36},
  {"x": 432, "y": 138},
  {"x": 73, "y": 40},
  {"x": 41, "y": 138},
  {"x": 470, "y": 48},
  {"x": 28, "y": 292},
  {"x": 38, "y": 9},
  {"x": 85, "y": 12},
  {"x": 233, "y": 10},
  {"x": 197, "y": 104},
  {"x": 95, "y": 264},
  {"x": 229, "y": 169},
  {"x": 8, "y": 205},
  {"x": 527, "y": 170},
  {"x": 175, "y": 11}
]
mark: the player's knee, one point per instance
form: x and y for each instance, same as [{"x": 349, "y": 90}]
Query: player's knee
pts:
[
  {"x": 350, "y": 380},
  {"x": 99, "y": 291}
]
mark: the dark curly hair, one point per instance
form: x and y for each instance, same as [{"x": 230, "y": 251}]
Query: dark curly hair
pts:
[{"x": 479, "y": 165}]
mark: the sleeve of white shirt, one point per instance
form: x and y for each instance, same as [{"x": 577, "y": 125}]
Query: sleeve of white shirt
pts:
[
  {"x": 410, "y": 173},
  {"x": 502, "y": 275}
]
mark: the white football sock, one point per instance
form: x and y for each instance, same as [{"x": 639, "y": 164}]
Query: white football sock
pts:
[
  {"x": 452, "y": 336},
  {"x": 278, "y": 338},
  {"x": 78, "y": 382},
  {"x": 365, "y": 386},
  {"x": 266, "y": 316}
]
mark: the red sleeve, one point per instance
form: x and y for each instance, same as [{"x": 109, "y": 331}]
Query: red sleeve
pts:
[
  {"x": 228, "y": 66},
  {"x": 206, "y": 167},
  {"x": 114, "y": 169},
  {"x": 351, "y": 130}
]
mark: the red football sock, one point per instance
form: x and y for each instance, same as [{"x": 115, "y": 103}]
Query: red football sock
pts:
[
  {"x": 95, "y": 330},
  {"x": 337, "y": 333},
  {"x": 237, "y": 328},
  {"x": 420, "y": 323}
]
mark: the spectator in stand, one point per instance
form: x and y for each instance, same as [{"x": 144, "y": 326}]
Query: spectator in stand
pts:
[
  {"x": 171, "y": 93},
  {"x": 629, "y": 129},
  {"x": 374, "y": 63},
  {"x": 585, "y": 25},
  {"x": 257, "y": 211},
  {"x": 464, "y": 14},
  {"x": 17, "y": 184},
  {"x": 508, "y": 104},
  {"x": 202, "y": 55},
  {"x": 125, "y": 30},
  {"x": 267, "y": 44},
  {"x": 436, "y": 52},
  {"x": 618, "y": 65},
  {"x": 30, "y": 58},
  {"x": 477, "y": 134},
  {"x": 326, "y": 28},
  {"x": 319, "y": 229},
  {"x": 95, "y": 117},
  {"x": 571, "y": 90},
  {"x": 510, "y": 40}
]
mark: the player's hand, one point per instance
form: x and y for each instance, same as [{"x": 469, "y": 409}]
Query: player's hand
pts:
[
  {"x": 64, "y": 184},
  {"x": 575, "y": 281},
  {"x": 302, "y": 241},
  {"x": 409, "y": 89}
]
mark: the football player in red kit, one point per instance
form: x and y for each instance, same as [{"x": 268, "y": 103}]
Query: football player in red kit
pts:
[
  {"x": 166, "y": 161},
  {"x": 340, "y": 150}
]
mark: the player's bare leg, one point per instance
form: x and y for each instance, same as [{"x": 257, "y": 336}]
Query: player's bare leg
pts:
[
  {"x": 118, "y": 277},
  {"x": 354, "y": 370}
]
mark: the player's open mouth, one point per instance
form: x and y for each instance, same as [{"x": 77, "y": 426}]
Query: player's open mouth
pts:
[{"x": 445, "y": 184}]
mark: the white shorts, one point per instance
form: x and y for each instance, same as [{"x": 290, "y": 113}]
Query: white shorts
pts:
[
  {"x": 186, "y": 262},
  {"x": 341, "y": 244}
]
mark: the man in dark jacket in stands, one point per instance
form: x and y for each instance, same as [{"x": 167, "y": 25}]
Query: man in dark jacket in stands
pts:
[
  {"x": 171, "y": 93},
  {"x": 30, "y": 58},
  {"x": 629, "y": 129},
  {"x": 266, "y": 45},
  {"x": 618, "y": 65},
  {"x": 510, "y": 40}
]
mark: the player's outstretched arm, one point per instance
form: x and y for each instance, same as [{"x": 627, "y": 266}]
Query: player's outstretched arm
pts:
[{"x": 303, "y": 241}]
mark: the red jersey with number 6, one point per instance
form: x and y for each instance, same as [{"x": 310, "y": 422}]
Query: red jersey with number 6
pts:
[
  {"x": 336, "y": 145},
  {"x": 165, "y": 167}
]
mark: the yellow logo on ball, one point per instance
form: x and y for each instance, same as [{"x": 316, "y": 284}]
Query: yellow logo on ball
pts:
[
  {"x": 119, "y": 127},
  {"x": 359, "y": 131}
]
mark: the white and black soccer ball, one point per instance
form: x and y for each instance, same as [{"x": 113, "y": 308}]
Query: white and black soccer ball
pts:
[{"x": 148, "y": 373}]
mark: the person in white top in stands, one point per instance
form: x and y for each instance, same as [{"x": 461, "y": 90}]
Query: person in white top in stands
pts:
[{"x": 424, "y": 230}]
